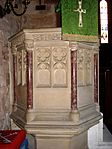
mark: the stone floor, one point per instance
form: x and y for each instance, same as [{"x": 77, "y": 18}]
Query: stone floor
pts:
[{"x": 98, "y": 138}]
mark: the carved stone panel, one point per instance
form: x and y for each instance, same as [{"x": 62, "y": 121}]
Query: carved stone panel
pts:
[
  {"x": 88, "y": 67},
  {"x": 51, "y": 66},
  {"x": 24, "y": 67},
  {"x": 59, "y": 70},
  {"x": 43, "y": 66},
  {"x": 19, "y": 67},
  {"x": 46, "y": 37},
  {"x": 96, "y": 77},
  {"x": 80, "y": 64},
  {"x": 84, "y": 67}
]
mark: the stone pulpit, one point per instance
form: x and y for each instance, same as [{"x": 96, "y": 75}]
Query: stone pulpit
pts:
[{"x": 54, "y": 81}]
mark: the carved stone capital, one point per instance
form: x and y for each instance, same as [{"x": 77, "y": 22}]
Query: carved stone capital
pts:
[
  {"x": 73, "y": 46},
  {"x": 14, "y": 49},
  {"x": 29, "y": 44}
]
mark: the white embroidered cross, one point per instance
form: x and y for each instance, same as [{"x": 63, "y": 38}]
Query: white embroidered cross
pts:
[{"x": 80, "y": 10}]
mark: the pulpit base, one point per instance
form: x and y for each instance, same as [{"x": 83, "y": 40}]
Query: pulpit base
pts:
[
  {"x": 64, "y": 142},
  {"x": 67, "y": 133}
]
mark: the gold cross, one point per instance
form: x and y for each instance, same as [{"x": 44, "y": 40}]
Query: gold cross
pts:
[{"x": 80, "y": 10}]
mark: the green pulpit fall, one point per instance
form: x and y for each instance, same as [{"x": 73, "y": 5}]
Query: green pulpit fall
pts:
[{"x": 70, "y": 19}]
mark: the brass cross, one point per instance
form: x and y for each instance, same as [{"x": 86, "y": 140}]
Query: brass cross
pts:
[{"x": 80, "y": 10}]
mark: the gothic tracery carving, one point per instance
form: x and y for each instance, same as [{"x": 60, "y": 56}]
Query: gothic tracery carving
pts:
[
  {"x": 88, "y": 61},
  {"x": 43, "y": 66},
  {"x": 60, "y": 66},
  {"x": 84, "y": 67},
  {"x": 24, "y": 64},
  {"x": 46, "y": 37},
  {"x": 80, "y": 63},
  {"x": 19, "y": 67}
]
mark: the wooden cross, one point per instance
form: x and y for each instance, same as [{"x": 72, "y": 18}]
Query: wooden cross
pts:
[{"x": 80, "y": 10}]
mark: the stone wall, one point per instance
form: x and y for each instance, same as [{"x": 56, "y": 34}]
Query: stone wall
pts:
[
  {"x": 10, "y": 25},
  {"x": 7, "y": 28},
  {"x": 41, "y": 18}
]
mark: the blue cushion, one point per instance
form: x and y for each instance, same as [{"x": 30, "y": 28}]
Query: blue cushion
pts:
[{"x": 24, "y": 145}]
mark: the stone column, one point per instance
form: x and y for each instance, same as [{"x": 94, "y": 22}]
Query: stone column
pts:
[
  {"x": 96, "y": 77},
  {"x": 74, "y": 110},
  {"x": 73, "y": 79},
  {"x": 29, "y": 79},
  {"x": 14, "y": 56},
  {"x": 29, "y": 45}
]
